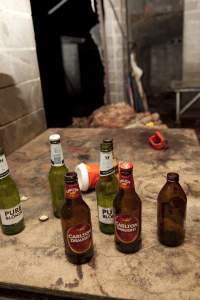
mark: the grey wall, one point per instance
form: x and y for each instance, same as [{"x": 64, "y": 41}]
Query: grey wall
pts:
[
  {"x": 191, "y": 49},
  {"x": 156, "y": 26},
  {"x": 21, "y": 106}
]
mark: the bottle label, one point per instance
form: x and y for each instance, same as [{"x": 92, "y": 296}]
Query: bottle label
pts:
[
  {"x": 57, "y": 159},
  {"x": 106, "y": 163},
  {"x": 126, "y": 228},
  {"x": 79, "y": 238},
  {"x": 4, "y": 171},
  {"x": 105, "y": 215},
  {"x": 12, "y": 215},
  {"x": 126, "y": 181},
  {"x": 72, "y": 191}
]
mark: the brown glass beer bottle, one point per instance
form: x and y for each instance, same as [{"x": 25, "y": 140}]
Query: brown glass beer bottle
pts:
[
  {"x": 76, "y": 223},
  {"x": 171, "y": 212},
  {"x": 127, "y": 212}
]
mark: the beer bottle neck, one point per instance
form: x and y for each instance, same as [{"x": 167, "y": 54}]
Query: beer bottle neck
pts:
[
  {"x": 57, "y": 159},
  {"x": 72, "y": 191},
  {"x": 126, "y": 181},
  {"x": 4, "y": 171},
  {"x": 106, "y": 163}
]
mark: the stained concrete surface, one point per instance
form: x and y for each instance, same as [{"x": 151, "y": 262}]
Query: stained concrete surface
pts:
[{"x": 34, "y": 260}]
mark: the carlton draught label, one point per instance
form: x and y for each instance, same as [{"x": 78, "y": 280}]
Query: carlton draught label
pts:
[
  {"x": 72, "y": 191},
  {"x": 126, "y": 228},
  {"x": 79, "y": 238},
  {"x": 12, "y": 215}
]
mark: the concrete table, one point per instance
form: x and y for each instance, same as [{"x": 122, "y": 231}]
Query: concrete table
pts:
[{"x": 34, "y": 260}]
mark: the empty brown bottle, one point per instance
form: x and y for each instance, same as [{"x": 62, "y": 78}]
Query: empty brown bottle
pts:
[
  {"x": 127, "y": 212},
  {"x": 171, "y": 212},
  {"x": 76, "y": 223}
]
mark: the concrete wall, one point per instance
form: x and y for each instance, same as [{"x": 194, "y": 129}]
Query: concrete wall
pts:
[
  {"x": 156, "y": 27},
  {"x": 21, "y": 106},
  {"x": 191, "y": 49},
  {"x": 116, "y": 52}
]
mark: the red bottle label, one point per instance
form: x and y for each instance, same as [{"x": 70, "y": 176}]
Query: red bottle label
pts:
[
  {"x": 79, "y": 238},
  {"x": 72, "y": 191},
  {"x": 126, "y": 228},
  {"x": 126, "y": 181}
]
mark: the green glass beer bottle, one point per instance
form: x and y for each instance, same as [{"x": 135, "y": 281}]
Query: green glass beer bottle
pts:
[
  {"x": 12, "y": 220},
  {"x": 106, "y": 189},
  {"x": 56, "y": 174}
]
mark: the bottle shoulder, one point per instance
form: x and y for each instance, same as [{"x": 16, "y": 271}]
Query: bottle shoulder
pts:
[
  {"x": 171, "y": 190},
  {"x": 58, "y": 170},
  {"x": 7, "y": 181},
  {"x": 75, "y": 208}
]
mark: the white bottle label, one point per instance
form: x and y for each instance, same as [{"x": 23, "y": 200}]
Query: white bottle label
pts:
[
  {"x": 12, "y": 215},
  {"x": 57, "y": 155},
  {"x": 4, "y": 171},
  {"x": 106, "y": 163},
  {"x": 105, "y": 215}
]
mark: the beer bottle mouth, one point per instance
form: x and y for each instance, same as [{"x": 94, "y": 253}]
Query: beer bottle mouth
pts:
[
  {"x": 106, "y": 147},
  {"x": 54, "y": 138},
  {"x": 108, "y": 142},
  {"x": 126, "y": 168},
  {"x": 173, "y": 177},
  {"x": 71, "y": 177}
]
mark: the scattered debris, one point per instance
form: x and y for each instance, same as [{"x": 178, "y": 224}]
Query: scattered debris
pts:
[
  {"x": 24, "y": 198},
  {"x": 119, "y": 115},
  {"x": 43, "y": 218}
]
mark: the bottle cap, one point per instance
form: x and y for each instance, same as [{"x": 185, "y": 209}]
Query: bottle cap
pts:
[
  {"x": 70, "y": 177},
  {"x": 106, "y": 147},
  {"x": 83, "y": 177},
  {"x": 54, "y": 137},
  {"x": 174, "y": 177}
]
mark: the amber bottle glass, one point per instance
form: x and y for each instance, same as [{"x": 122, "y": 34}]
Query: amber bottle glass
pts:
[
  {"x": 76, "y": 223},
  {"x": 127, "y": 212},
  {"x": 171, "y": 212}
]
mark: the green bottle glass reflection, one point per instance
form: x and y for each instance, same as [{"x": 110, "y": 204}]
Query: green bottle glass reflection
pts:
[
  {"x": 12, "y": 220},
  {"x": 56, "y": 174},
  {"x": 106, "y": 189}
]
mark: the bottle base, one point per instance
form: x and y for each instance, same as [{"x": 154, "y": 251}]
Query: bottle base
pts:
[
  {"x": 129, "y": 248},
  {"x": 171, "y": 239},
  {"x": 13, "y": 229},
  {"x": 79, "y": 259}
]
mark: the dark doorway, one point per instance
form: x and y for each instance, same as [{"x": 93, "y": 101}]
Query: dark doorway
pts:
[{"x": 70, "y": 66}]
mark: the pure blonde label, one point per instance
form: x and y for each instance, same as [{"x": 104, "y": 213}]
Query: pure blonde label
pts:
[{"x": 11, "y": 216}]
